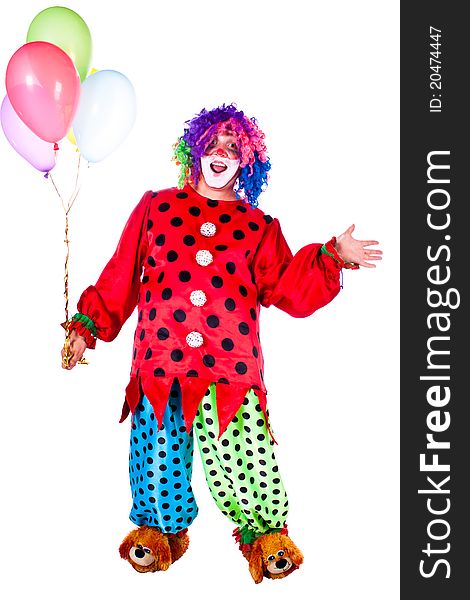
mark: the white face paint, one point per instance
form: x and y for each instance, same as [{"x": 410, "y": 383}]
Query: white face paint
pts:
[{"x": 218, "y": 170}]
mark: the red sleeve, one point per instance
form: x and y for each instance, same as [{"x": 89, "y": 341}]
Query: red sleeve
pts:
[
  {"x": 111, "y": 301},
  {"x": 299, "y": 284}
]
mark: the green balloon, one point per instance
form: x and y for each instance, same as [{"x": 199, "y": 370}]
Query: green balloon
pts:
[{"x": 64, "y": 28}]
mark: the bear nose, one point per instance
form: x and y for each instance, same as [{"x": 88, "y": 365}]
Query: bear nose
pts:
[
  {"x": 280, "y": 564},
  {"x": 139, "y": 553}
]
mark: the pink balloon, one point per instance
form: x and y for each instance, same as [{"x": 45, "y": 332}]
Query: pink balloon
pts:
[
  {"x": 43, "y": 86},
  {"x": 36, "y": 151}
]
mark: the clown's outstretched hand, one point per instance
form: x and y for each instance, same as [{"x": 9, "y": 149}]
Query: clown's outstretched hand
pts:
[{"x": 356, "y": 251}]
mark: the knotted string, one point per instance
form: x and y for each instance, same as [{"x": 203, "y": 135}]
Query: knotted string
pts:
[{"x": 67, "y": 207}]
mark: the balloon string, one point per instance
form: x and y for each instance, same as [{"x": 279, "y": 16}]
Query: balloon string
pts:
[{"x": 67, "y": 353}]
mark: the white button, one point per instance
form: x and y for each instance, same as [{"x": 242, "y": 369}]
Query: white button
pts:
[
  {"x": 198, "y": 298},
  {"x": 204, "y": 258},
  {"x": 208, "y": 229},
  {"x": 194, "y": 339}
]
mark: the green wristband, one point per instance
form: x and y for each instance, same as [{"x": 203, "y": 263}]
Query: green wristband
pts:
[
  {"x": 86, "y": 321},
  {"x": 323, "y": 250}
]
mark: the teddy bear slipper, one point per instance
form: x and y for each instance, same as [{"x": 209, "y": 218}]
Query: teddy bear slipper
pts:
[{"x": 148, "y": 550}]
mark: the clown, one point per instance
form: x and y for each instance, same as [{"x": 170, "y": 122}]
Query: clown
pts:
[{"x": 199, "y": 261}]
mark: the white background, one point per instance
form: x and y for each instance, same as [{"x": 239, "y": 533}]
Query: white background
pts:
[{"x": 322, "y": 79}]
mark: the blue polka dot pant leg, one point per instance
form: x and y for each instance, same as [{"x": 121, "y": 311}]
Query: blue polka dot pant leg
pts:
[{"x": 160, "y": 467}]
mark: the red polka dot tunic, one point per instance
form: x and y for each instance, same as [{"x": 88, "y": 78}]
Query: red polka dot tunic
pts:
[{"x": 198, "y": 271}]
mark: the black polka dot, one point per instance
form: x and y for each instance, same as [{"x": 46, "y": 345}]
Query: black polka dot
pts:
[
  {"x": 212, "y": 203},
  {"x": 230, "y": 266},
  {"x": 238, "y": 234},
  {"x": 241, "y": 208},
  {"x": 267, "y": 218},
  {"x": 253, "y": 226},
  {"x": 227, "y": 344},
  {"x": 255, "y": 351},
  {"x": 176, "y": 355},
  {"x": 160, "y": 239},
  {"x": 224, "y": 218},
  {"x": 213, "y": 321},
  {"x": 176, "y": 221},
  {"x": 195, "y": 211},
  {"x": 148, "y": 354},
  {"x": 179, "y": 315},
  {"x": 172, "y": 256},
  {"x": 253, "y": 314},
  {"x": 241, "y": 368},
  {"x": 184, "y": 276},
  {"x": 160, "y": 277},
  {"x": 163, "y": 207},
  {"x": 145, "y": 279},
  {"x": 142, "y": 334},
  {"x": 223, "y": 380},
  {"x": 243, "y": 328},
  {"x": 151, "y": 261},
  {"x": 166, "y": 294},
  {"x": 189, "y": 240},
  {"x": 192, "y": 373},
  {"x": 208, "y": 360},
  {"x": 182, "y": 195},
  {"x": 217, "y": 281},
  {"x": 221, "y": 247},
  {"x": 152, "y": 314},
  {"x": 230, "y": 304},
  {"x": 243, "y": 291},
  {"x": 148, "y": 295},
  {"x": 163, "y": 333},
  {"x": 149, "y": 224}
]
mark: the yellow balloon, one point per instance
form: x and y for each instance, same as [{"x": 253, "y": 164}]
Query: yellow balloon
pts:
[{"x": 70, "y": 135}]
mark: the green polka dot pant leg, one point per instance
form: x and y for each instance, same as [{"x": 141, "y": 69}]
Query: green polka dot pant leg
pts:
[{"x": 240, "y": 467}]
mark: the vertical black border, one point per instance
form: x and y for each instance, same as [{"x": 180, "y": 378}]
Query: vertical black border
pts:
[{"x": 422, "y": 132}]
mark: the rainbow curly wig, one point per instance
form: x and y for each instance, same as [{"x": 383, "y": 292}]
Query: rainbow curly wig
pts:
[{"x": 254, "y": 161}]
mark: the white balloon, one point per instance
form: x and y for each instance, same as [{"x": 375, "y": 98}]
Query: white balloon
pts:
[{"x": 105, "y": 115}]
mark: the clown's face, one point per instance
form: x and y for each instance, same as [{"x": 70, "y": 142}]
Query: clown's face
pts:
[{"x": 220, "y": 164}]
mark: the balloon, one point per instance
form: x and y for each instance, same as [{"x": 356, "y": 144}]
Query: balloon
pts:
[
  {"x": 36, "y": 151},
  {"x": 105, "y": 115},
  {"x": 67, "y": 30},
  {"x": 70, "y": 134},
  {"x": 44, "y": 89},
  {"x": 71, "y": 137}
]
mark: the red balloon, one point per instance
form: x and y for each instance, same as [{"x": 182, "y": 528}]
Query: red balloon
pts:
[{"x": 43, "y": 86}]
